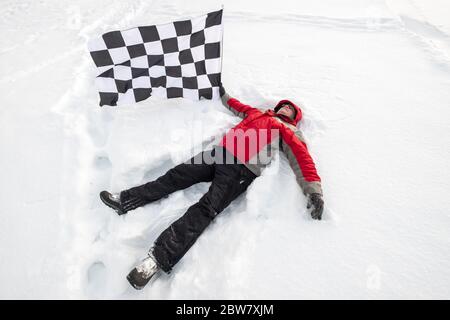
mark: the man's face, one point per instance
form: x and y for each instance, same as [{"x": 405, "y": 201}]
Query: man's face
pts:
[{"x": 286, "y": 110}]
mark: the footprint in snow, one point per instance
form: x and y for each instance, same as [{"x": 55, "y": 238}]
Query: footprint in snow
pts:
[
  {"x": 102, "y": 162},
  {"x": 96, "y": 279}
]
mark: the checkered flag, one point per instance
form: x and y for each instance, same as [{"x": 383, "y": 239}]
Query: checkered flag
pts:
[{"x": 177, "y": 59}]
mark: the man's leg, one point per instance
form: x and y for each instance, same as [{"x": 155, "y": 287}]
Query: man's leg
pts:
[
  {"x": 228, "y": 183},
  {"x": 198, "y": 169}
]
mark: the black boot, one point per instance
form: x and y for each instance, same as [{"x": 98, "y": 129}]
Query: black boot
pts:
[
  {"x": 121, "y": 202},
  {"x": 112, "y": 200},
  {"x": 142, "y": 273}
]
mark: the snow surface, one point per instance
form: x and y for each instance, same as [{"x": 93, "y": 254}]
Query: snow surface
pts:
[{"x": 374, "y": 78}]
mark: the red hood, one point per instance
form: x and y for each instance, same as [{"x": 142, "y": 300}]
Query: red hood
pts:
[{"x": 298, "y": 114}]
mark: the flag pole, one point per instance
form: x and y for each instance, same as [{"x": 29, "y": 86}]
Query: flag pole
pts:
[{"x": 221, "y": 47}]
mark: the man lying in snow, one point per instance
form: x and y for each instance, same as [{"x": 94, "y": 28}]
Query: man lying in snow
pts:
[{"x": 231, "y": 167}]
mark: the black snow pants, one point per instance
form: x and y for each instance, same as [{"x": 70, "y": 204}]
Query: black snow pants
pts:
[{"x": 228, "y": 181}]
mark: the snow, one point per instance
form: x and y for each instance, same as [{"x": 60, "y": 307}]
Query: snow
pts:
[{"x": 374, "y": 79}]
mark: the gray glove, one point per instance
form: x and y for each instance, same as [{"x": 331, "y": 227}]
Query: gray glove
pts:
[
  {"x": 316, "y": 202},
  {"x": 224, "y": 96},
  {"x": 222, "y": 90}
]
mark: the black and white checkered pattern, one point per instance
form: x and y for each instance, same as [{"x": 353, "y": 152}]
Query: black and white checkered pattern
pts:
[{"x": 177, "y": 59}]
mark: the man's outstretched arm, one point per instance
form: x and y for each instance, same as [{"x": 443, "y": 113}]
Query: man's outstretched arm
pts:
[
  {"x": 234, "y": 105},
  {"x": 294, "y": 146}
]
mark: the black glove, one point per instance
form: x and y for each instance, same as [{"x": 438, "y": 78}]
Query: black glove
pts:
[
  {"x": 316, "y": 202},
  {"x": 221, "y": 90}
]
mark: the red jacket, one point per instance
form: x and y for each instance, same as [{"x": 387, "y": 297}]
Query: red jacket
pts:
[{"x": 252, "y": 141}]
